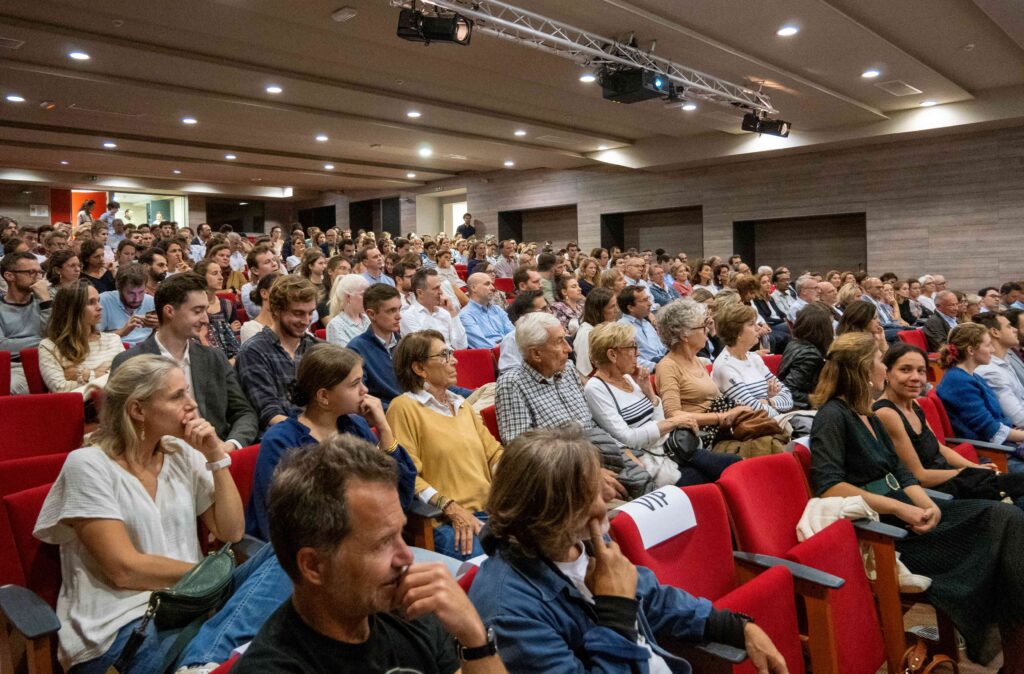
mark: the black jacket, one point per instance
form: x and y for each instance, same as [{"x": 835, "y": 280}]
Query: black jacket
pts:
[
  {"x": 765, "y": 307},
  {"x": 799, "y": 370},
  {"x": 936, "y": 331}
]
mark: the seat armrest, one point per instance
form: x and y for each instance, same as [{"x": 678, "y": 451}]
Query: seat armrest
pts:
[
  {"x": 798, "y": 570},
  {"x": 725, "y": 652},
  {"x": 979, "y": 444},
  {"x": 421, "y": 509},
  {"x": 880, "y": 529},
  {"x": 27, "y": 612},
  {"x": 249, "y": 546},
  {"x": 937, "y": 495}
]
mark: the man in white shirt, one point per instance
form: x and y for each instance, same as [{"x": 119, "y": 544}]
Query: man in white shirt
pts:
[
  {"x": 783, "y": 295},
  {"x": 198, "y": 247},
  {"x": 506, "y": 266},
  {"x": 997, "y": 373},
  {"x": 807, "y": 292},
  {"x": 433, "y": 310}
]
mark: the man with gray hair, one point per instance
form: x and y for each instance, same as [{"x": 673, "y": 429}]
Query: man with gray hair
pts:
[
  {"x": 806, "y": 293},
  {"x": 936, "y": 328}
]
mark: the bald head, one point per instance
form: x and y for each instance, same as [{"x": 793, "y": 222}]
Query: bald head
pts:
[
  {"x": 872, "y": 286},
  {"x": 481, "y": 288}
]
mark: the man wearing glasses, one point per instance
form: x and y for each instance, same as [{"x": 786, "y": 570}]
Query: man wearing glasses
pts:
[{"x": 24, "y": 311}]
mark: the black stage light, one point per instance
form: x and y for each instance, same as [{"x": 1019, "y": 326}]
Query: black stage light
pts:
[
  {"x": 632, "y": 85},
  {"x": 772, "y": 127},
  {"x": 415, "y": 26}
]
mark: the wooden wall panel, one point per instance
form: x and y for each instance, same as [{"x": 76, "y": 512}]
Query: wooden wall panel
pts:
[
  {"x": 826, "y": 242},
  {"x": 557, "y": 225},
  {"x": 675, "y": 230}
]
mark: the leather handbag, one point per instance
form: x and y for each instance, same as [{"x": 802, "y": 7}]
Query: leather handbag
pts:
[
  {"x": 752, "y": 424},
  {"x": 915, "y": 661},
  {"x": 682, "y": 444}
]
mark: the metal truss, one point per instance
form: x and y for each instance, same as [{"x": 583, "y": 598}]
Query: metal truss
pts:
[{"x": 589, "y": 49}]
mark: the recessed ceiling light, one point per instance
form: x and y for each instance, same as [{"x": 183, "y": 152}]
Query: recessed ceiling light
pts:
[
  {"x": 410, "y": 175},
  {"x": 689, "y": 106},
  {"x": 588, "y": 77},
  {"x": 425, "y": 152},
  {"x": 109, "y": 145},
  {"x": 870, "y": 74},
  {"x": 189, "y": 120},
  {"x": 509, "y": 163},
  {"x": 602, "y": 148},
  {"x": 63, "y": 162},
  {"x": 14, "y": 98},
  {"x": 520, "y": 132},
  {"x": 329, "y": 167},
  {"x": 230, "y": 156},
  {"x": 243, "y": 203},
  {"x": 787, "y": 31},
  {"x": 322, "y": 138},
  {"x": 79, "y": 56},
  {"x": 928, "y": 104},
  {"x": 177, "y": 172},
  {"x": 414, "y": 114},
  {"x": 274, "y": 89}
]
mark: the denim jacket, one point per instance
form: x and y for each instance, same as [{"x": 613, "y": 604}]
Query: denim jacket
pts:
[{"x": 543, "y": 623}]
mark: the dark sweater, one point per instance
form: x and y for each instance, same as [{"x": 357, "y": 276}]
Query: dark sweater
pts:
[{"x": 378, "y": 370}]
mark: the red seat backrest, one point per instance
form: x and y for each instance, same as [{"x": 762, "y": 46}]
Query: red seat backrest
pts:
[
  {"x": 33, "y": 375},
  {"x": 940, "y": 409},
  {"x": 30, "y": 471},
  {"x": 490, "y": 417},
  {"x": 803, "y": 455},
  {"x": 698, "y": 560},
  {"x": 226, "y": 667},
  {"x": 321, "y": 333},
  {"x": 474, "y": 367},
  {"x": 934, "y": 419},
  {"x": 5, "y": 373},
  {"x": 40, "y": 424},
  {"x": 243, "y": 470},
  {"x": 40, "y": 562},
  {"x": 914, "y": 337},
  {"x": 772, "y": 362},
  {"x": 505, "y": 285},
  {"x": 750, "y": 485},
  {"x": 241, "y": 314},
  {"x": 466, "y": 581}
]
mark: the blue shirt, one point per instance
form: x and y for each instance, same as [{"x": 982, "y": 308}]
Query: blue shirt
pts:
[
  {"x": 383, "y": 278},
  {"x": 291, "y": 433},
  {"x": 115, "y": 315},
  {"x": 485, "y": 326},
  {"x": 650, "y": 349}
]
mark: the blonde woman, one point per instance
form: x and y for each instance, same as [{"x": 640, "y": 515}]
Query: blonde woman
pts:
[
  {"x": 123, "y": 511},
  {"x": 347, "y": 318},
  {"x": 75, "y": 356}
]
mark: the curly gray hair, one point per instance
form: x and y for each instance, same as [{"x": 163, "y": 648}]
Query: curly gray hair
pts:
[{"x": 677, "y": 319}]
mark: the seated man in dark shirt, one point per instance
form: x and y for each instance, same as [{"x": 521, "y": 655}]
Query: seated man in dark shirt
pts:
[{"x": 359, "y": 603}]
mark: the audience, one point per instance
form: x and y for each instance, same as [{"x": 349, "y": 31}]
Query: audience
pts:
[
  {"x": 805, "y": 354},
  {"x": 601, "y": 306},
  {"x": 568, "y": 307},
  {"x": 117, "y": 546},
  {"x": 526, "y": 302},
  {"x": 347, "y": 317},
  {"x": 740, "y": 374},
  {"x": 223, "y": 322},
  {"x": 128, "y": 311},
  {"x": 635, "y": 307},
  {"x": 452, "y": 449},
  {"x": 981, "y": 584},
  {"x": 373, "y": 266},
  {"x": 261, "y": 261},
  {"x": 861, "y": 316},
  {"x": 24, "y": 311},
  {"x": 377, "y": 345},
  {"x": 433, "y": 310},
  {"x": 784, "y": 294},
  {"x": 75, "y": 355},
  {"x": 312, "y": 267},
  {"x": 266, "y": 363},
  {"x": 94, "y": 266},
  {"x": 554, "y": 597},
  {"x": 63, "y": 270},
  {"x": 484, "y": 322},
  {"x": 936, "y": 328},
  {"x": 998, "y": 373},
  {"x": 806, "y": 292},
  {"x": 258, "y": 296}
]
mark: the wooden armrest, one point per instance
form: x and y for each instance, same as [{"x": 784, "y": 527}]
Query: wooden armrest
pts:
[
  {"x": 27, "y": 612},
  {"x": 799, "y": 571},
  {"x": 878, "y": 531},
  {"x": 421, "y": 509}
]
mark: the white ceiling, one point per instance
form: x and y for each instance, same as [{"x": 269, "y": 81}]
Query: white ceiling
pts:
[{"x": 154, "y": 63}]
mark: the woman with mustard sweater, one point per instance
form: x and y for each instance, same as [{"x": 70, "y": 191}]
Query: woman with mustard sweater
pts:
[{"x": 454, "y": 453}]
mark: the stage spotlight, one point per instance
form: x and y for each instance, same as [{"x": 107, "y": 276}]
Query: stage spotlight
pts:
[
  {"x": 415, "y": 26},
  {"x": 772, "y": 127}
]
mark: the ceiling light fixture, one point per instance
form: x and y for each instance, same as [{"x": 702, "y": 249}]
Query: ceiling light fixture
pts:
[
  {"x": 14, "y": 98},
  {"x": 414, "y": 114},
  {"x": 177, "y": 172},
  {"x": 230, "y": 156},
  {"x": 189, "y": 120},
  {"x": 689, "y": 107},
  {"x": 425, "y": 152},
  {"x": 329, "y": 167},
  {"x": 509, "y": 163},
  {"x": 79, "y": 56},
  {"x": 274, "y": 89},
  {"x": 870, "y": 74},
  {"x": 759, "y": 124},
  {"x": 63, "y": 162},
  {"x": 110, "y": 145},
  {"x": 602, "y": 148},
  {"x": 928, "y": 104},
  {"x": 410, "y": 175},
  {"x": 520, "y": 132},
  {"x": 415, "y": 26},
  {"x": 588, "y": 77},
  {"x": 787, "y": 31},
  {"x": 243, "y": 203},
  {"x": 322, "y": 138}
]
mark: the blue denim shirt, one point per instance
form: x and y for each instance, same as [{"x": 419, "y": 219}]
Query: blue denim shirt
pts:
[
  {"x": 543, "y": 623},
  {"x": 485, "y": 326},
  {"x": 650, "y": 348}
]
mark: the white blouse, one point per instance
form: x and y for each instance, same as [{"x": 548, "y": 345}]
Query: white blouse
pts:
[{"x": 101, "y": 352}]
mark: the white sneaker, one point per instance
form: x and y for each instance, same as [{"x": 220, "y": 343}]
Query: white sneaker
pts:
[{"x": 198, "y": 669}]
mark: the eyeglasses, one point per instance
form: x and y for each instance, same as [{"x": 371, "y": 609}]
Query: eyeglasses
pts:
[
  {"x": 30, "y": 272},
  {"x": 627, "y": 347},
  {"x": 445, "y": 356}
]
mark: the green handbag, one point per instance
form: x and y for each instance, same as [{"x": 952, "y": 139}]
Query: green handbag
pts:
[{"x": 193, "y": 599}]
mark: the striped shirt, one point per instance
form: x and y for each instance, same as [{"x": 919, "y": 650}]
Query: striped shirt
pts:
[{"x": 745, "y": 382}]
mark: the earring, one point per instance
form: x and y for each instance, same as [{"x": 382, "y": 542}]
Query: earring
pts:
[
  {"x": 871, "y": 382},
  {"x": 142, "y": 435}
]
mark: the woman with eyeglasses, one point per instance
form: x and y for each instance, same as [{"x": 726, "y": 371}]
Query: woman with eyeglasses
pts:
[
  {"x": 623, "y": 403},
  {"x": 454, "y": 453}
]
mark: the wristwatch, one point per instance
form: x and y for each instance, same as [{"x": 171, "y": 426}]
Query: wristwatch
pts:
[
  {"x": 480, "y": 652},
  {"x": 218, "y": 465}
]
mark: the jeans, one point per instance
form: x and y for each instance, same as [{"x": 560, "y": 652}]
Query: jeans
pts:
[
  {"x": 148, "y": 660},
  {"x": 705, "y": 467},
  {"x": 444, "y": 541}
]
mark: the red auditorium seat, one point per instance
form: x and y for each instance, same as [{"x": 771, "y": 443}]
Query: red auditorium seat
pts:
[
  {"x": 5, "y": 373},
  {"x": 700, "y": 561},
  {"x": 490, "y": 417},
  {"x": 228, "y": 295},
  {"x": 767, "y": 496},
  {"x": 466, "y": 581},
  {"x": 938, "y": 421},
  {"x": 40, "y": 424},
  {"x": 321, "y": 334},
  {"x": 474, "y": 367},
  {"x": 33, "y": 375},
  {"x": 917, "y": 338},
  {"x": 772, "y": 362},
  {"x": 241, "y": 314},
  {"x": 505, "y": 285},
  {"x": 243, "y": 470},
  {"x": 462, "y": 270}
]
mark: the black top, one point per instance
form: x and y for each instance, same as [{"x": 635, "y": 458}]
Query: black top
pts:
[
  {"x": 465, "y": 231},
  {"x": 286, "y": 643},
  {"x": 801, "y": 364},
  {"x": 925, "y": 443},
  {"x": 103, "y": 283},
  {"x": 843, "y": 450}
]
